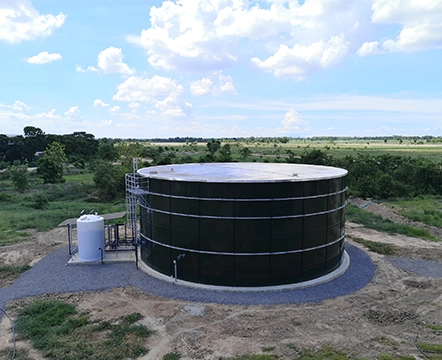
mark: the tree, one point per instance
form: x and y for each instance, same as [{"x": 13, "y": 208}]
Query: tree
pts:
[
  {"x": 127, "y": 151},
  {"x": 34, "y": 141},
  {"x": 107, "y": 151},
  {"x": 213, "y": 146},
  {"x": 315, "y": 157},
  {"x": 245, "y": 153},
  {"x": 50, "y": 166},
  {"x": 109, "y": 179},
  {"x": 19, "y": 177},
  {"x": 225, "y": 153},
  {"x": 32, "y": 132}
]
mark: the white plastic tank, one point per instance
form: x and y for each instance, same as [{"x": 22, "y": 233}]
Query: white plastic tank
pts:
[{"x": 90, "y": 231}]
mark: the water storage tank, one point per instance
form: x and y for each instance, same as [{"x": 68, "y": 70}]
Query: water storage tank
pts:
[
  {"x": 243, "y": 224},
  {"x": 90, "y": 231}
]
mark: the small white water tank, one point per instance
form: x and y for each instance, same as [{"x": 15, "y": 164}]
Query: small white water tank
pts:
[{"x": 90, "y": 231}]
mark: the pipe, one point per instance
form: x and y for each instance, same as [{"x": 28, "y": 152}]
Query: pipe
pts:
[
  {"x": 367, "y": 204},
  {"x": 179, "y": 257},
  {"x": 136, "y": 255},
  {"x": 101, "y": 255},
  {"x": 70, "y": 238},
  {"x": 174, "y": 266}
]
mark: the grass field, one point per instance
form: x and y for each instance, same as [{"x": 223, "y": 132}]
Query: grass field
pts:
[
  {"x": 339, "y": 148},
  {"x": 426, "y": 209},
  {"x": 43, "y": 207}
]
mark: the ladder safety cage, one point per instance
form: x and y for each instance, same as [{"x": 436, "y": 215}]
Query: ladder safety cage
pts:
[{"x": 135, "y": 194}]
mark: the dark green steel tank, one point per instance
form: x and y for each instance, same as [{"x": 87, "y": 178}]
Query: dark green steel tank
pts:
[{"x": 243, "y": 224}]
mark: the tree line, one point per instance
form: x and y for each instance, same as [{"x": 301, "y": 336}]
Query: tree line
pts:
[
  {"x": 27, "y": 148},
  {"x": 380, "y": 176},
  {"x": 369, "y": 176}
]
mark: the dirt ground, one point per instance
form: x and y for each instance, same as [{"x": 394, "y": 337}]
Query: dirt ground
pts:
[{"x": 387, "y": 316}]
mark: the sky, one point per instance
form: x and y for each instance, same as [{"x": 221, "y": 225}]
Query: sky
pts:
[{"x": 221, "y": 68}]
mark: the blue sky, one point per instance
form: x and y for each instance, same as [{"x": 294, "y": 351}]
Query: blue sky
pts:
[{"x": 214, "y": 68}]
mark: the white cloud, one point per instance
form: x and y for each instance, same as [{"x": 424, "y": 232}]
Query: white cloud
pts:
[
  {"x": 420, "y": 21},
  {"x": 43, "y": 58},
  {"x": 302, "y": 60},
  {"x": 20, "y": 21},
  {"x": 164, "y": 93},
  {"x": 110, "y": 61},
  {"x": 184, "y": 35},
  {"x": 137, "y": 88},
  {"x": 13, "y": 121},
  {"x": 174, "y": 107},
  {"x": 73, "y": 110},
  {"x": 368, "y": 48},
  {"x": 20, "y": 106},
  {"x": 100, "y": 103},
  {"x": 414, "y": 38},
  {"x": 114, "y": 108},
  {"x": 79, "y": 69},
  {"x": 201, "y": 87},
  {"x": 213, "y": 35},
  {"x": 292, "y": 121},
  {"x": 295, "y": 37},
  {"x": 226, "y": 84},
  {"x": 133, "y": 105},
  {"x": 206, "y": 85},
  {"x": 344, "y": 103}
]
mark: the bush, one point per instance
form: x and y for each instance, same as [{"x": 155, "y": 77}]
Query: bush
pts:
[
  {"x": 40, "y": 200},
  {"x": 110, "y": 180},
  {"x": 19, "y": 177}
]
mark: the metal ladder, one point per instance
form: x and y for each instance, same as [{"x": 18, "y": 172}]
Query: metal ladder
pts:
[{"x": 131, "y": 200}]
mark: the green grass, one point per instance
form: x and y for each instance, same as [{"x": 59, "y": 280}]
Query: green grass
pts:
[
  {"x": 84, "y": 177},
  {"x": 434, "y": 351},
  {"x": 379, "y": 248},
  {"x": 27, "y": 211},
  {"x": 14, "y": 269},
  {"x": 434, "y": 327},
  {"x": 426, "y": 209},
  {"x": 21, "y": 216},
  {"x": 338, "y": 148},
  {"x": 326, "y": 352},
  {"x": 376, "y": 222},
  {"x": 267, "y": 348},
  {"x": 255, "y": 357},
  {"x": 172, "y": 356},
  {"x": 20, "y": 354},
  {"x": 384, "y": 356},
  {"x": 59, "y": 331},
  {"x": 9, "y": 236}
]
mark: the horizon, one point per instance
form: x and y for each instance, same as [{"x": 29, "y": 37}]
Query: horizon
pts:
[{"x": 222, "y": 69}]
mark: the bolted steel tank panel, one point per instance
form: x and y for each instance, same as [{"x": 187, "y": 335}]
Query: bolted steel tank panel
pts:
[{"x": 243, "y": 224}]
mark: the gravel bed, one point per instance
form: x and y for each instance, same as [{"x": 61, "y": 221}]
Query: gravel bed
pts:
[
  {"x": 51, "y": 275},
  {"x": 426, "y": 268}
]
